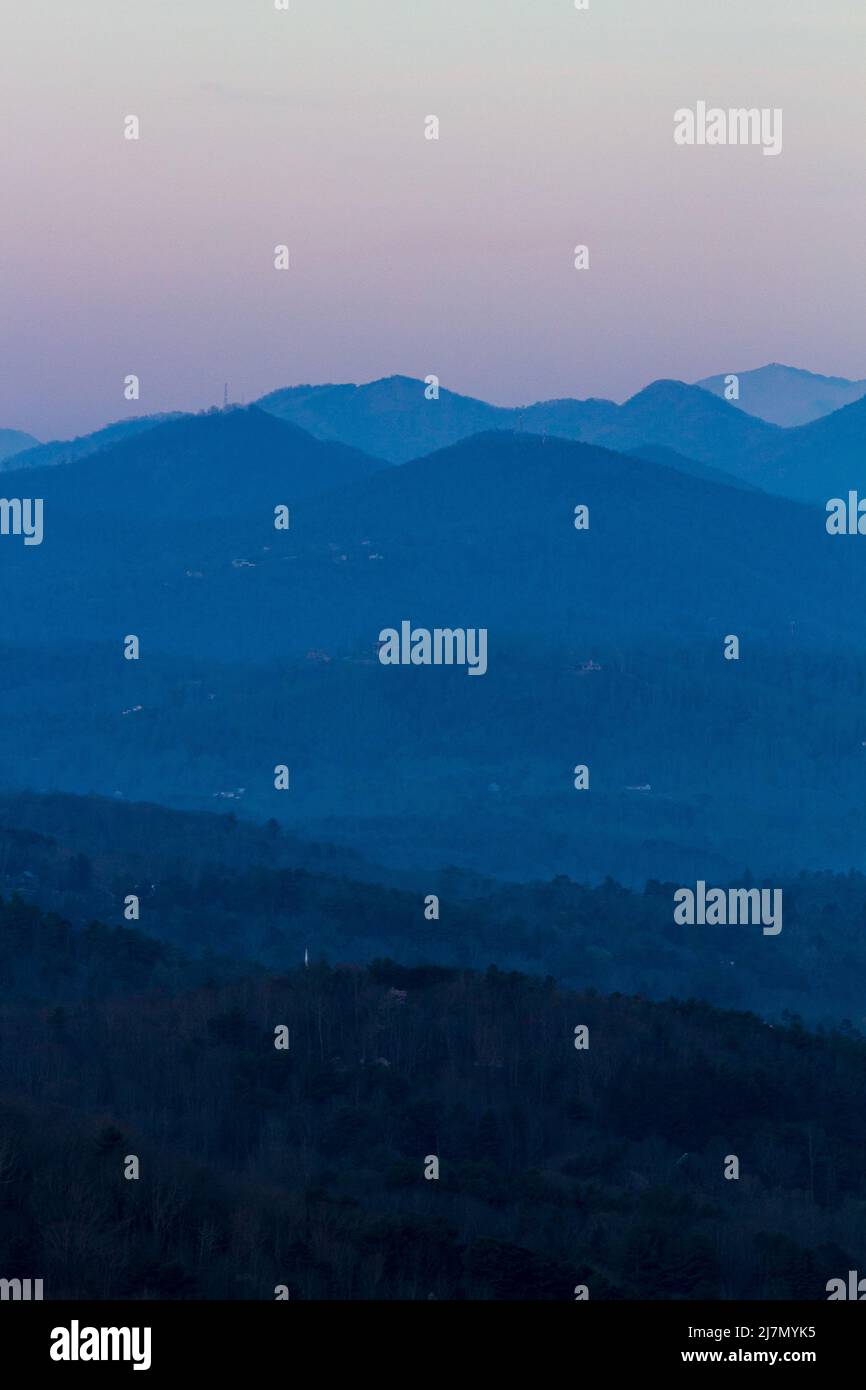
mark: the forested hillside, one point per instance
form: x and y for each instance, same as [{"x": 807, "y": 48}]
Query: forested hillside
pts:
[
  {"x": 305, "y": 1166},
  {"x": 211, "y": 886}
]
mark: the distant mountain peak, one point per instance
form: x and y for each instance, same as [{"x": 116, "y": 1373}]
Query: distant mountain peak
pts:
[
  {"x": 14, "y": 442},
  {"x": 784, "y": 395},
  {"x": 668, "y": 389}
]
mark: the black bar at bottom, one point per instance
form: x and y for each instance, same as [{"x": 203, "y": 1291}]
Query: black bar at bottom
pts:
[{"x": 405, "y": 1339}]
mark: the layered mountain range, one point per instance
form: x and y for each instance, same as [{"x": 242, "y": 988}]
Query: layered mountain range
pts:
[
  {"x": 258, "y": 645},
  {"x": 790, "y": 432}
]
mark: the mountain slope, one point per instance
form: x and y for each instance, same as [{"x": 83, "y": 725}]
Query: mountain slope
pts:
[
  {"x": 788, "y": 396},
  {"x": 687, "y": 420},
  {"x": 669, "y": 458},
  {"x": 817, "y": 461},
  {"x": 15, "y": 442},
  {"x": 483, "y": 530},
  {"x": 68, "y": 450},
  {"x": 218, "y": 464},
  {"x": 390, "y": 418}
]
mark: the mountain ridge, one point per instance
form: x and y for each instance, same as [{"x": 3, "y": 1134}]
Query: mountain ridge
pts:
[
  {"x": 787, "y": 396},
  {"x": 15, "y": 442}
]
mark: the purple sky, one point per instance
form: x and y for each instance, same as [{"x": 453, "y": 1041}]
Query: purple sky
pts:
[{"x": 408, "y": 255}]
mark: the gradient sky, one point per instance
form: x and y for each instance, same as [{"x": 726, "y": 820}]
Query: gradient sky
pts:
[{"x": 453, "y": 257}]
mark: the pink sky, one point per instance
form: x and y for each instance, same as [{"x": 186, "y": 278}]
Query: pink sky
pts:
[{"x": 452, "y": 256}]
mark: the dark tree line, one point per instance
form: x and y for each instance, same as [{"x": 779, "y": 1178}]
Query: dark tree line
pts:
[{"x": 305, "y": 1167}]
